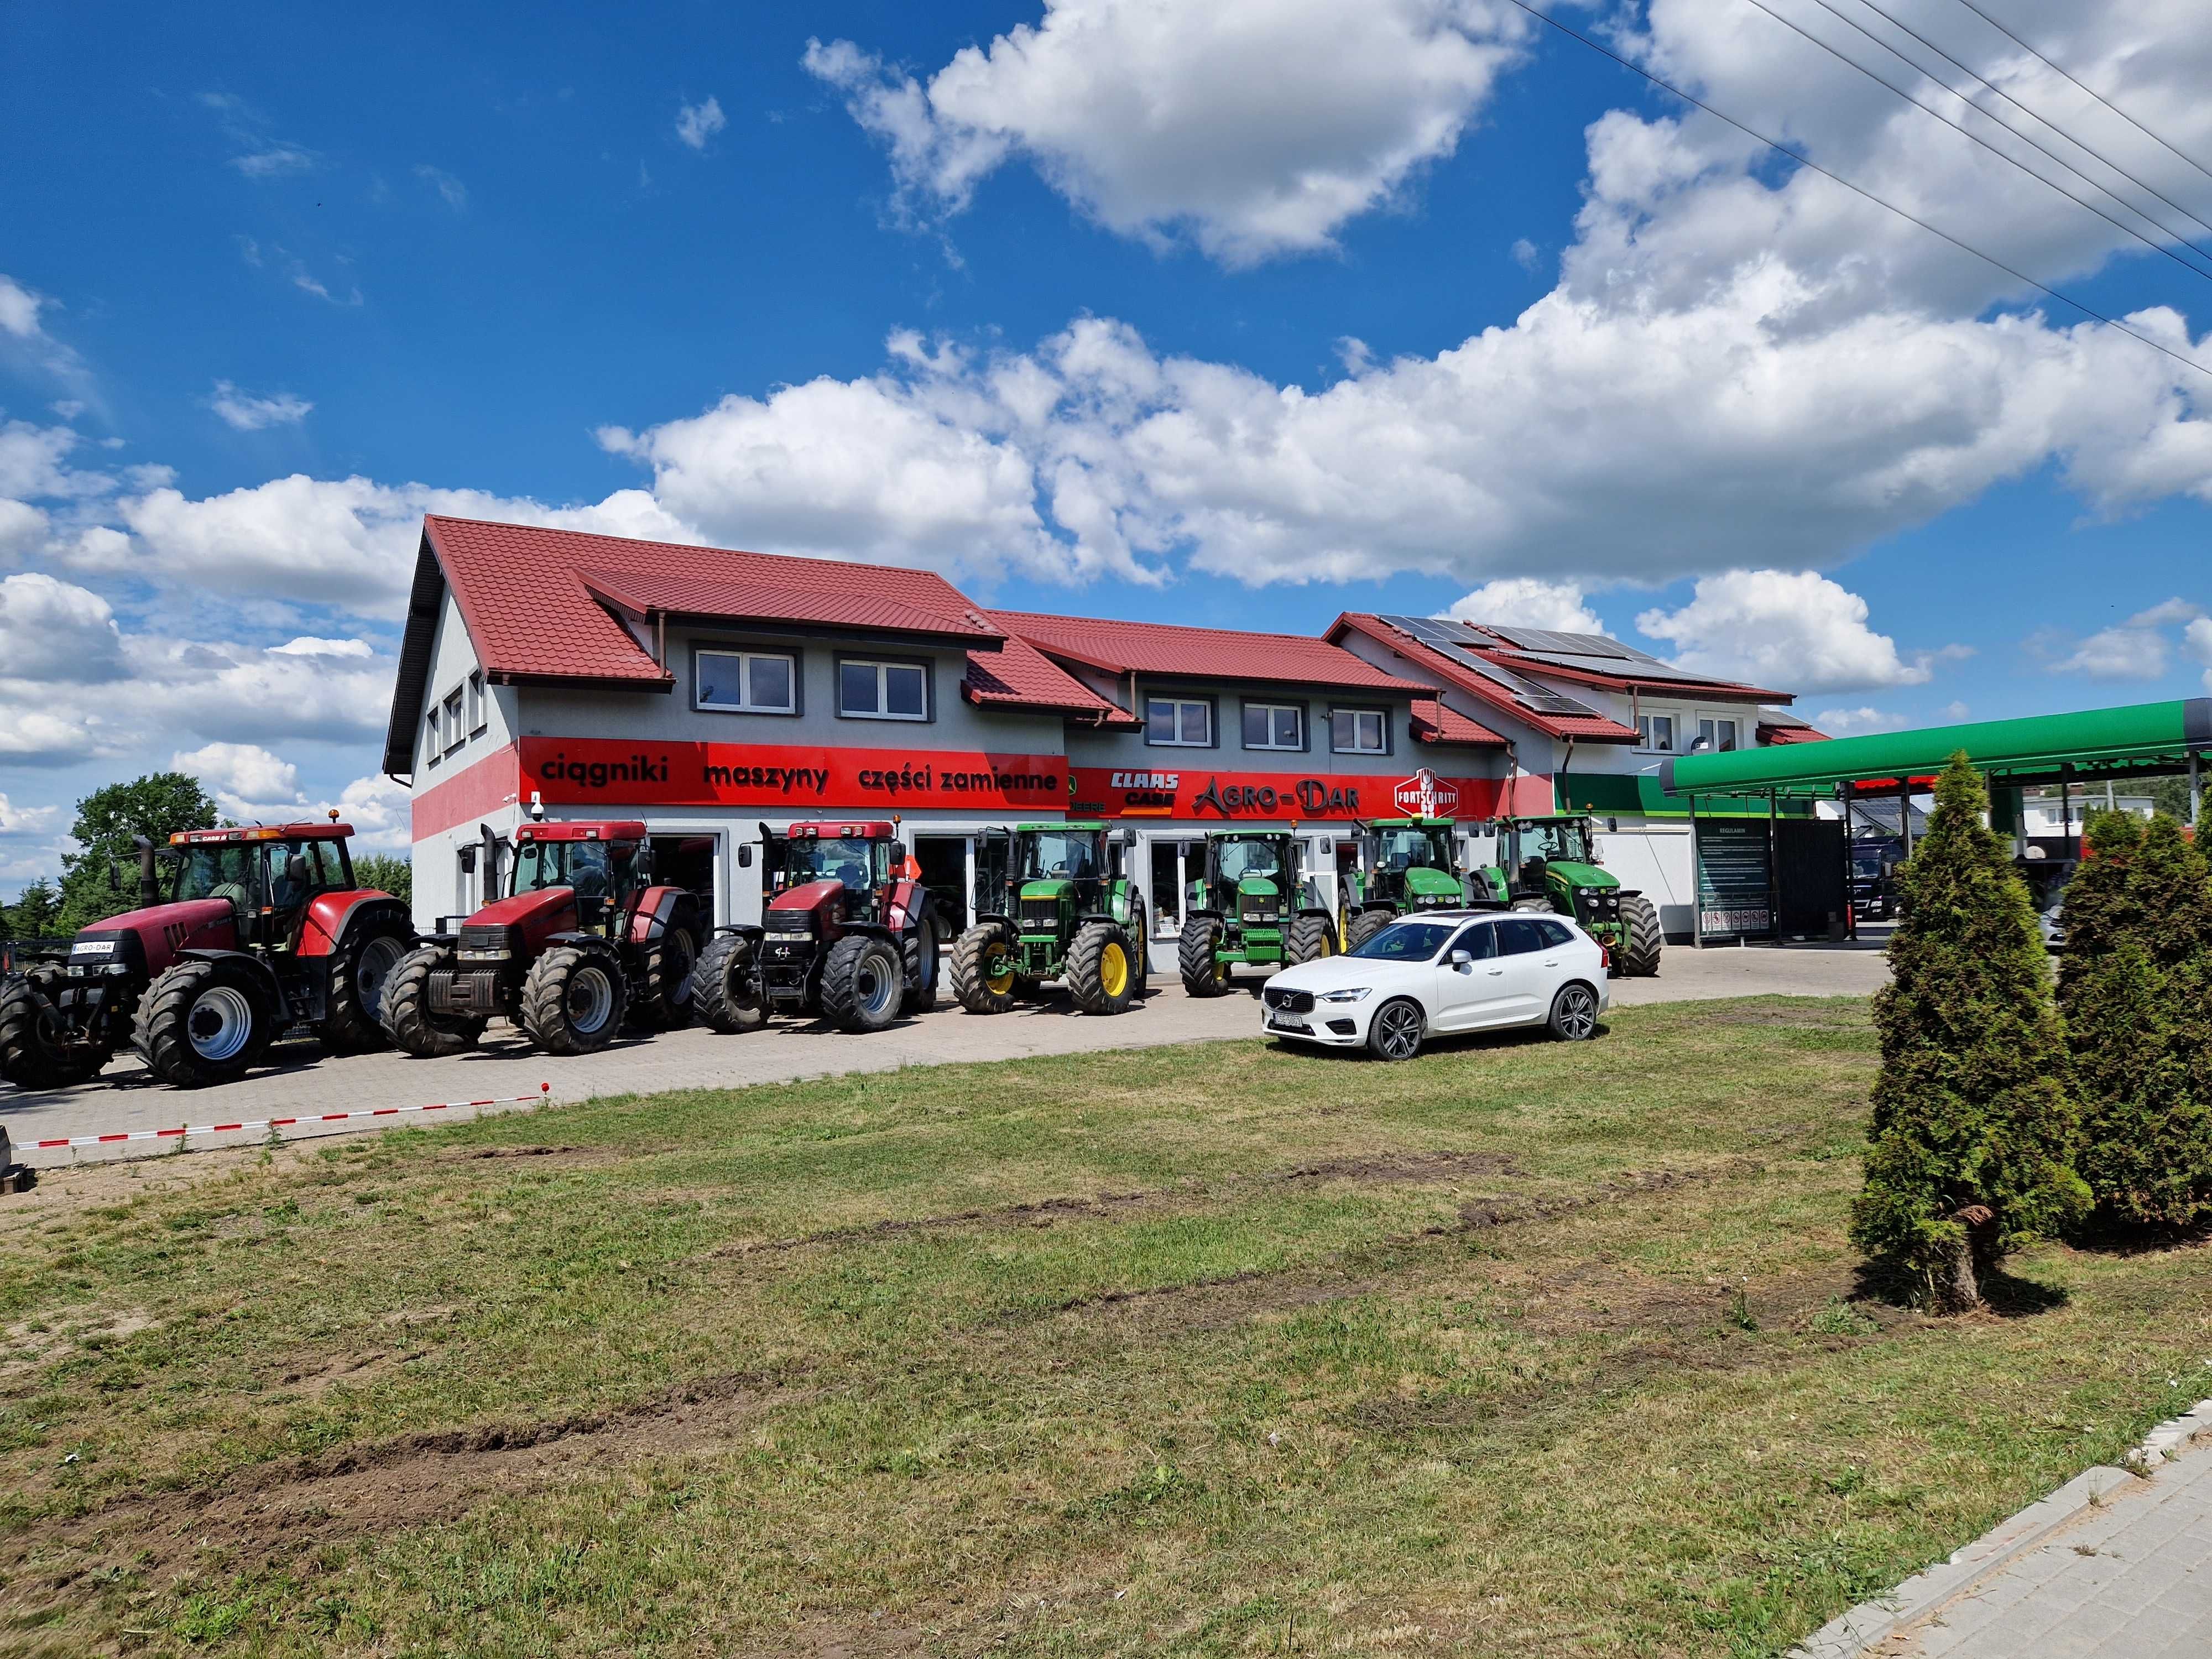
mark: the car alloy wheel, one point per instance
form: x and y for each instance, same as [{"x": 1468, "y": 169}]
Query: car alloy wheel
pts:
[
  {"x": 1397, "y": 1034},
  {"x": 1574, "y": 1014}
]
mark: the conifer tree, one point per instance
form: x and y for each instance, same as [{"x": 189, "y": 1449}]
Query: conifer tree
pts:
[
  {"x": 1973, "y": 1131},
  {"x": 2138, "y": 971}
]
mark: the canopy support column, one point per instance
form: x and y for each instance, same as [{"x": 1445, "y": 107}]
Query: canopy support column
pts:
[
  {"x": 1851, "y": 868},
  {"x": 1904, "y": 813},
  {"x": 2195, "y": 792}
]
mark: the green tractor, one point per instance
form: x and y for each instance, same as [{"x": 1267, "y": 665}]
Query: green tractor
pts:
[
  {"x": 1551, "y": 863},
  {"x": 1055, "y": 901},
  {"x": 1406, "y": 865},
  {"x": 1250, "y": 905}
]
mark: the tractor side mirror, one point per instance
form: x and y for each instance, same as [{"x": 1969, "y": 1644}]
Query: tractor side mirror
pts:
[
  {"x": 1182, "y": 849},
  {"x": 1327, "y": 847},
  {"x": 469, "y": 860},
  {"x": 746, "y": 856},
  {"x": 295, "y": 869},
  {"x": 114, "y": 878}
]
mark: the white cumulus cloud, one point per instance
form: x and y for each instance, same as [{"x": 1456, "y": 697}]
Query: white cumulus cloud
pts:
[
  {"x": 2141, "y": 648},
  {"x": 247, "y": 413},
  {"x": 19, "y": 309},
  {"x": 696, "y": 123},
  {"x": 240, "y": 772},
  {"x": 1795, "y": 630},
  {"x": 1529, "y": 602},
  {"x": 1857, "y": 722}
]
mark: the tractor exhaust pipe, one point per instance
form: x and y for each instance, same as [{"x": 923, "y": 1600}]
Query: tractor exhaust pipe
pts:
[{"x": 149, "y": 884}]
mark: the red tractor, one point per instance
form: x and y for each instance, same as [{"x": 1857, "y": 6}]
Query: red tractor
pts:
[
  {"x": 849, "y": 934},
  {"x": 582, "y": 940},
  {"x": 260, "y": 930}
]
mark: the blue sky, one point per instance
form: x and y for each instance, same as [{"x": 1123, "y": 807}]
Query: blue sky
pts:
[{"x": 435, "y": 247}]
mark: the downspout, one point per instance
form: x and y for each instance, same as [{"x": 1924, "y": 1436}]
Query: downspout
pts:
[{"x": 1561, "y": 801}]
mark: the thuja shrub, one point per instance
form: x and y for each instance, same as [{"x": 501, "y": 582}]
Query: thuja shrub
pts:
[
  {"x": 1973, "y": 1127},
  {"x": 2134, "y": 990}
]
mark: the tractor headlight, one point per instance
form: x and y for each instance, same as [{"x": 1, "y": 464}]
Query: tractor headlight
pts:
[{"x": 1357, "y": 993}]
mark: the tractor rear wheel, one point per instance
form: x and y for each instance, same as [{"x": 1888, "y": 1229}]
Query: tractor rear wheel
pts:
[
  {"x": 663, "y": 991},
  {"x": 1541, "y": 905},
  {"x": 862, "y": 981},
  {"x": 1310, "y": 938},
  {"x": 32, "y": 1054},
  {"x": 1364, "y": 926},
  {"x": 405, "y": 1012},
  {"x": 983, "y": 977},
  {"x": 572, "y": 1001},
  {"x": 1098, "y": 969},
  {"x": 1198, "y": 957},
  {"x": 919, "y": 952},
  {"x": 351, "y": 1010},
  {"x": 1639, "y": 950},
  {"x": 725, "y": 989},
  {"x": 1140, "y": 949},
  {"x": 202, "y": 1022}
]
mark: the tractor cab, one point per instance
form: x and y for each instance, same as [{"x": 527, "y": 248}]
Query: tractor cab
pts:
[
  {"x": 1250, "y": 905},
  {"x": 1408, "y": 864},
  {"x": 1252, "y": 874},
  {"x": 266, "y": 876},
  {"x": 604, "y": 866},
  {"x": 1551, "y": 862},
  {"x": 1067, "y": 909}
]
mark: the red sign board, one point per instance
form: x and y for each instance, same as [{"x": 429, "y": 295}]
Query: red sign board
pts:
[
  {"x": 595, "y": 771},
  {"x": 1425, "y": 795},
  {"x": 1203, "y": 793}
]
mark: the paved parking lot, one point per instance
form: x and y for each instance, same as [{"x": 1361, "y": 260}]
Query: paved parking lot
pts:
[{"x": 301, "y": 1081}]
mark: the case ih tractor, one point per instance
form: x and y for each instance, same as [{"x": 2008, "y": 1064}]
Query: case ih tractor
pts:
[
  {"x": 849, "y": 934},
  {"x": 1550, "y": 863},
  {"x": 1406, "y": 865},
  {"x": 258, "y": 930},
  {"x": 582, "y": 939},
  {"x": 1064, "y": 909},
  {"x": 1250, "y": 905}
]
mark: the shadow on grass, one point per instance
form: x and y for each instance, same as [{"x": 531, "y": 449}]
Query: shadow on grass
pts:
[{"x": 2006, "y": 1295}]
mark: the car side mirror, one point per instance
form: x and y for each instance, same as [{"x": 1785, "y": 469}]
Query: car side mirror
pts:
[
  {"x": 1462, "y": 960},
  {"x": 745, "y": 857}
]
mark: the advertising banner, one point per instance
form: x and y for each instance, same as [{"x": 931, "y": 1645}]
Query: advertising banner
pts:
[
  {"x": 594, "y": 771},
  {"x": 1208, "y": 792},
  {"x": 1735, "y": 899}
]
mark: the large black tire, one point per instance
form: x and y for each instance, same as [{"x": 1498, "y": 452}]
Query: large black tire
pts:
[
  {"x": 1639, "y": 952},
  {"x": 405, "y": 1014},
  {"x": 573, "y": 1000},
  {"x": 32, "y": 1054},
  {"x": 1365, "y": 925},
  {"x": 1396, "y": 1031},
  {"x": 1140, "y": 949},
  {"x": 919, "y": 952},
  {"x": 1098, "y": 969},
  {"x": 725, "y": 988},
  {"x": 975, "y": 987},
  {"x": 202, "y": 1022},
  {"x": 1541, "y": 905},
  {"x": 662, "y": 1002},
  {"x": 1204, "y": 974},
  {"x": 1574, "y": 1013},
  {"x": 353, "y": 1008},
  {"x": 863, "y": 981},
  {"x": 1310, "y": 938}
]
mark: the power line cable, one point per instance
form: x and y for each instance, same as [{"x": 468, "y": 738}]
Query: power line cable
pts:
[
  {"x": 1842, "y": 57},
  {"x": 2092, "y": 91},
  {"x": 1806, "y": 162},
  {"x": 1966, "y": 69}
]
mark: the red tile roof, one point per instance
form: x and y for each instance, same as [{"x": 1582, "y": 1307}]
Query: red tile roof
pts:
[
  {"x": 741, "y": 600},
  {"x": 1783, "y": 729},
  {"x": 1211, "y": 654},
  {"x": 1020, "y": 676},
  {"x": 1596, "y": 728},
  {"x": 1434, "y": 722}
]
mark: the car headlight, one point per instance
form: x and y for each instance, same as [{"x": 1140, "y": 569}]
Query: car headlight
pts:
[{"x": 1359, "y": 995}]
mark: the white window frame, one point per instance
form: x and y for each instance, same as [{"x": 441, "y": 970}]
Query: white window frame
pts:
[
  {"x": 1178, "y": 741},
  {"x": 746, "y": 660},
  {"x": 883, "y": 666},
  {"x": 457, "y": 737},
  {"x": 477, "y": 718},
  {"x": 1297, "y": 714},
  {"x": 1717, "y": 721},
  {"x": 1382, "y": 743},
  {"x": 1645, "y": 723},
  {"x": 435, "y": 743}
]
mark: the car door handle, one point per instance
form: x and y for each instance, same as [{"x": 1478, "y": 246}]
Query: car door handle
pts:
[
  {"x": 1495, "y": 972},
  {"x": 1551, "y": 961}
]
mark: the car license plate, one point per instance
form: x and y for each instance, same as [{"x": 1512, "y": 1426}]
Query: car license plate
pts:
[{"x": 1287, "y": 1023}]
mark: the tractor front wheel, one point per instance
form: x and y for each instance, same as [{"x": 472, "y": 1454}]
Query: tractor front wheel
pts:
[
  {"x": 202, "y": 1022},
  {"x": 862, "y": 982},
  {"x": 1640, "y": 946},
  {"x": 1098, "y": 969},
  {"x": 664, "y": 997},
  {"x": 725, "y": 988},
  {"x": 352, "y": 1008},
  {"x": 33, "y": 1054},
  {"x": 404, "y": 1010},
  {"x": 983, "y": 977},
  {"x": 1198, "y": 957},
  {"x": 1312, "y": 938},
  {"x": 572, "y": 1001},
  {"x": 1364, "y": 926},
  {"x": 919, "y": 952}
]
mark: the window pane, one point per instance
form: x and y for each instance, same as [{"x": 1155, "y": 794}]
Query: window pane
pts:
[
  {"x": 771, "y": 682},
  {"x": 1480, "y": 941},
  {"x": 1257, "y": 733},
  {"x": 1517, "y": 936},
  {"x": 1554, "y": 933},
  {"x": 1287, "y": 728},
  {"x": 717, "y": 675},
  {"x": 1339, "y": 729},
  {"x": 1727, "y": 735},
  {"x": 1194, "y": 724},
  {"x": 1370, "y": 732},
  {"x": 1663, "y": 732},
  {"x": 903, "y": 690},
  {"x": 1159, "y": 721},
  {"x": 856, "y": 689}
]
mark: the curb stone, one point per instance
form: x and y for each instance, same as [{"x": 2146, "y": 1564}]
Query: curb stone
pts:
[{"x": 1859, "y": 1631}]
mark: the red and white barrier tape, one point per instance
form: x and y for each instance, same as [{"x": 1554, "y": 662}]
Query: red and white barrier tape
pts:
[{"x": 544, "y": 1090}]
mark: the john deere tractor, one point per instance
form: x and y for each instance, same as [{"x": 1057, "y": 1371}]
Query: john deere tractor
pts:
[
  {"x": 1406, "y": 865},
  {"x": 1550, "y": 863},
  {"x": 1064, "y": 910},
  {"x": 1250, "y": 905}
]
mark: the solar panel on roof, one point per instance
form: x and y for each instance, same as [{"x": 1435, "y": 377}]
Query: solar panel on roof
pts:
[
  {"x": 1451, "y": 640},
  {"x": 1576, "y": 645}
]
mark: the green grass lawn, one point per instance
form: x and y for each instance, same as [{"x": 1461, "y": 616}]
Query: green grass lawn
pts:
[{"x": 1521, "y": 1348}]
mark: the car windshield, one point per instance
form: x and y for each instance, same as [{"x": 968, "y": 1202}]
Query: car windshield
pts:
[
  {"x": 1405, "y": 941},
  {"x": 1242, "y": 859},
  {"x": 225, "y": 871},
  {"x": 829, "y": 857},
  {"x": 1567, "y": 842},
  {"x": 1412, "y": 849},
  {"x": 1063, "y": 856},
  {"x": 593, "y": 868}
]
